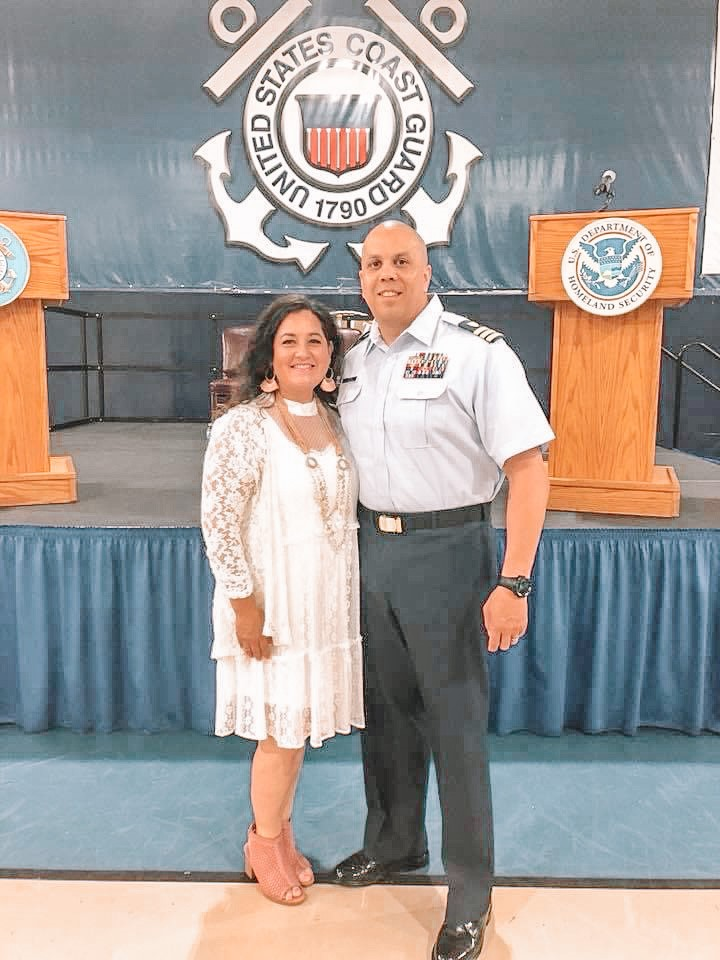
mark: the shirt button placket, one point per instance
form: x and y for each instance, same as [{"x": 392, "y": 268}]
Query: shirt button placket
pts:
[{"x": 385, "y": 398}]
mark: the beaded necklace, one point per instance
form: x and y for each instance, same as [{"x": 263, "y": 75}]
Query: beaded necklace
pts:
[{"x": 334, "y": 519}]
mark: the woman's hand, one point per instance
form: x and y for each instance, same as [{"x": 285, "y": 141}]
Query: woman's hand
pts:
[{"x": 249, "y": 620}]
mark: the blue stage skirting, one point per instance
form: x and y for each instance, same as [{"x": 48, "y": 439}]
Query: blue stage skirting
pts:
[{"x": 109, "y": 629}]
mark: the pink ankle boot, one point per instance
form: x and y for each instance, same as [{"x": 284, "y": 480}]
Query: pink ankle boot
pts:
[{"x": 266, "y": 860}]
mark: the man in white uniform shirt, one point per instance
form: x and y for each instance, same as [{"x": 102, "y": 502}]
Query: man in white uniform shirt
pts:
[{"x": 435, "y": 416}]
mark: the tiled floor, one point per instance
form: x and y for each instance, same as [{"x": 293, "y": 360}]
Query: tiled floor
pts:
[{"x": 79, "y": 920}]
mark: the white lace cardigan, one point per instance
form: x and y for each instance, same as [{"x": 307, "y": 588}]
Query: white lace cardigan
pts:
[{"x": 243, "y": 533}]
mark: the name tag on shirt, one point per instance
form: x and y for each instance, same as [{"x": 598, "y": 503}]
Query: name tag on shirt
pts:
[{"x": 425, "y": 366}]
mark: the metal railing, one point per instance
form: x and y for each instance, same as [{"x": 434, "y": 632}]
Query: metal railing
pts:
[
  {"x": 84, "y": 366},
  {"x": 100, "y": 367},
  {"x": 680, "y": 367}
]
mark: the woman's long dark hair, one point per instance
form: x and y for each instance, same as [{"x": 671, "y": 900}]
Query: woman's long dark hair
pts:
[{"x": 258, "y": 359}]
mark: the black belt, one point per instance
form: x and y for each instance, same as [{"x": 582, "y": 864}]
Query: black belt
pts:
[{"x": 399, "y": 523}]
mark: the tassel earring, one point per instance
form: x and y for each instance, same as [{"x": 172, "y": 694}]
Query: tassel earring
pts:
[
  {"x": 328, "y": 384},
  {"x": 269, "y": 384}
]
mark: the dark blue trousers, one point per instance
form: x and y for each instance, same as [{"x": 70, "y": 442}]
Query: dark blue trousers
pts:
[{"x": 426, "y": 694}]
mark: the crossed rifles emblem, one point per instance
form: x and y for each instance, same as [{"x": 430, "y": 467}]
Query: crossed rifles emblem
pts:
[{"x": 338, "y": 150}]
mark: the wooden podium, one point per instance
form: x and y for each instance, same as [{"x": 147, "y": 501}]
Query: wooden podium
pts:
[
  {"x": 605, "y": 372},
  {"x": 28, "y": 474}
]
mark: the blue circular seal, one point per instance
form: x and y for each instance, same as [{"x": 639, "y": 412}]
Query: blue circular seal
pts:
[
  {"x": 14, "y": 266},
  {"x": 611, "y": 266}
]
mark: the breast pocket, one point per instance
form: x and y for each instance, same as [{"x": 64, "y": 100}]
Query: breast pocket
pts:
[
  {"x": 347, "y": 392},
  {"x": 413, "y": 410},
  {"x": 348, "y": 406}
]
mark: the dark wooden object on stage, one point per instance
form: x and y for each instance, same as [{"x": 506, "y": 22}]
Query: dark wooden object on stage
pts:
[
  {"x": 605, "y": 373},
  {"x": 235, "y": 342},
  {"x": 28, "y": 474}
]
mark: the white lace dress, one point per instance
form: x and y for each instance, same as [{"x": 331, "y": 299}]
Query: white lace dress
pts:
[{"x": 264, "y": 535}]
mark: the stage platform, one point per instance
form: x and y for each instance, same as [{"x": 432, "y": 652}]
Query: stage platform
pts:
[
  {"x": 105, "y": 603},
  {"x": 148, "y": 475}
]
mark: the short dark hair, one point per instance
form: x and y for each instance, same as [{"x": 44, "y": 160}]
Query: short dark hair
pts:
[{"x": 258, "y": 359}]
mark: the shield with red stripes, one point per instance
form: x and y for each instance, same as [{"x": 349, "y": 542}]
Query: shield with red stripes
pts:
[{"x": 337, "y": 130}]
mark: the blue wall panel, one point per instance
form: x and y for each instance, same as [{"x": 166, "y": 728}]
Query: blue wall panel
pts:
[{"x": 103, "y": 108}]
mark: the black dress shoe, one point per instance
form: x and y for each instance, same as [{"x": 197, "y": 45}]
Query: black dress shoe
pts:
[
  {"x": 360, "y": 870},
  {"x": 461, "y": 942}
]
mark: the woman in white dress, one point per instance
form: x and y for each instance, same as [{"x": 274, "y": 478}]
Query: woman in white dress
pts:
[{"x": 279, "y": 520}]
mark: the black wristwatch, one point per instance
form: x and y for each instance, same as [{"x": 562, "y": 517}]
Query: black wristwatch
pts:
[{"x": 520, "y": 586}]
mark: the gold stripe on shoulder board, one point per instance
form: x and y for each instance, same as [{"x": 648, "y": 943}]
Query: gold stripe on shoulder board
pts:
[{"x": 478, "y": 330}]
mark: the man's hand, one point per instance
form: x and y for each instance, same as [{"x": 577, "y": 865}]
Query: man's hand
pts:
[
  {"x": 505, "y": 617},
  {"x": 249, "y": 619}
]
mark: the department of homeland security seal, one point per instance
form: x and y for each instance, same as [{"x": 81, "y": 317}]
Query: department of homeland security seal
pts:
[
  {"x": 14, "y": 266},
  {"x": 338, "y": 126},
  {"x": 611, "y": 266}
]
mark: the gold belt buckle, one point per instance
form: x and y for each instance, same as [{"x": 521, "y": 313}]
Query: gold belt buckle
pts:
[{"x": 386, "y": 524}]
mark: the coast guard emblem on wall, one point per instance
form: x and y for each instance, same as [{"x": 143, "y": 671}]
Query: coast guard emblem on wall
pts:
[
  {"x": 611, "y": 266},
  {"x": 14, "y": 266},
  {"x": 337, "y": 125}
]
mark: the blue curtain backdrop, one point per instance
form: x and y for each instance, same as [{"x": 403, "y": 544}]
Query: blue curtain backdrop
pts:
[{"x": 110, "y": 630}]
